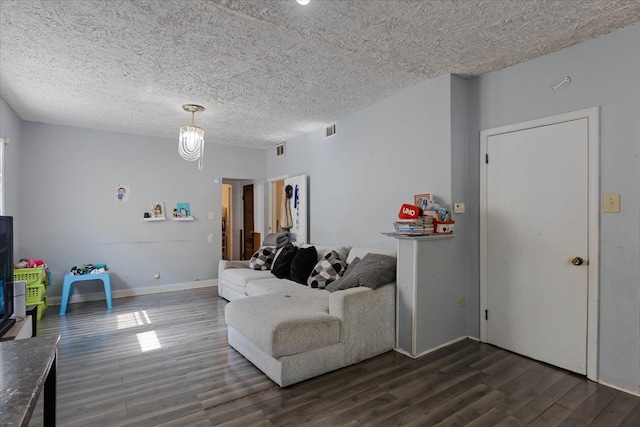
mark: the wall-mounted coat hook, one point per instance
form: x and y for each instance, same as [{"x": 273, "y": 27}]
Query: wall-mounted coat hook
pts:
[{"x": 556, "y": 86}]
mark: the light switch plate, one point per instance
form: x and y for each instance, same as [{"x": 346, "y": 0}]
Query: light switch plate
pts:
[
  {"x": 611, "y": 203},
  {"x": 458, "y": 208}
]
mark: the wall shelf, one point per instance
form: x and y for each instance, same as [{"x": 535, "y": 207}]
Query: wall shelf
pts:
[
  {"x": 153, "y": 219},
  {"x": 426, "y": 236},
  {"x": 189, "y": 218}
]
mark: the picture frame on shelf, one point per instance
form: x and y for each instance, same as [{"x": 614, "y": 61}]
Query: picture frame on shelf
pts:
[
  {"x": 157, "y": 210},
  {"x": 422, "y": 200},
  {"x": 183, "y": 210}
]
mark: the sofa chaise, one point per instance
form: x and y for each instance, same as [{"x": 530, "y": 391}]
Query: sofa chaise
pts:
[{"x": 293, "y": 332}]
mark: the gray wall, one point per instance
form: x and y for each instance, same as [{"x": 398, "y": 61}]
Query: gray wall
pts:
[
  {"x": 380, "y": 157},
  {"x": 603, "y": 72},
  {"x": 414, "y": 142},
  {"x": 459, "y": 187},
  {"x": 11, "y": 127},
  {"x": 70, "y": 215}
]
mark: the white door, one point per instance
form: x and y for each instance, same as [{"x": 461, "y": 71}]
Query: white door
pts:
[{"x": 535, "y": 223}]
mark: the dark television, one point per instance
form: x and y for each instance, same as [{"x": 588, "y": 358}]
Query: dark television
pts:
[{"x": 6, "y": 273}]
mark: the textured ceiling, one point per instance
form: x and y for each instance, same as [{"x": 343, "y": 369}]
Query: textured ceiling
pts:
[{"x": 265, "y": 70}]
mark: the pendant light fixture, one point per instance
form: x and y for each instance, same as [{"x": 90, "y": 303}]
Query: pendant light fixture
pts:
[{"x": 191, "y": 143}]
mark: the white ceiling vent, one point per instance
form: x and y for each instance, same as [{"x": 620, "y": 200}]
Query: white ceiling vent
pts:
[
  {"x": 280, "y": 150},
  {"x": 329, "y": 131}
]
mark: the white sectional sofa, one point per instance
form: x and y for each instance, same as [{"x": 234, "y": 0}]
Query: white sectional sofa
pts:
[{"x": 293, "y": 332}]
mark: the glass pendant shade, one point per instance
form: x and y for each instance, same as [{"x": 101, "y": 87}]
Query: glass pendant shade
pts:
[{"x": 191, "y": 142}]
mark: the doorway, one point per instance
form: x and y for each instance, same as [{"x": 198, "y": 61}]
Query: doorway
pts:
[
  {"x": 227, "y": 221},
  {"x": 233, "y": 190},
  {"x": 539, "y": 239},
  {"x": 247, "y": 221},
  {"x": 297, "y": 203},
  {"x": 276, "y": 194}
]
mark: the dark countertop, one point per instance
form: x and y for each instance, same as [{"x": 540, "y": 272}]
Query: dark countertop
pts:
[{"x": 24, "y": 365}]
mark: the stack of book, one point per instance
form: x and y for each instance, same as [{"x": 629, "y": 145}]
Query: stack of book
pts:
[{"x": 416, "y": 226}]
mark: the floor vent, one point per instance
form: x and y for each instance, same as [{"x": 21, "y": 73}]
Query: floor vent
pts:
[
  {"x": 280, "y": 150},
  {"x": 329, "y": 131}
]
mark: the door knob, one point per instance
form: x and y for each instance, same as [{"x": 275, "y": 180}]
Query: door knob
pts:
[{"x": 577, "y": 261}]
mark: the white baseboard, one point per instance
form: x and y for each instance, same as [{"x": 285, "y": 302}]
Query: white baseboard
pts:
[
  {"x": 635, "y": 393},
  {"x": 431, "y": 350},
  {"x": 404, "y": 353},
  {"x": 123, "y": 293}
]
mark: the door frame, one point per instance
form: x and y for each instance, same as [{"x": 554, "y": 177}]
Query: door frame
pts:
[
  {"x": 272, "y": 202},
  {"x": 229, "y": 225},
  {"x": 593, "y": 233}
]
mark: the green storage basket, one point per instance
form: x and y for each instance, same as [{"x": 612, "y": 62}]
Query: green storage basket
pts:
[
  {"x": 41, "y": 307},
  {"x": 33, "y": 276},
  {"x": 35, "y": 294}
]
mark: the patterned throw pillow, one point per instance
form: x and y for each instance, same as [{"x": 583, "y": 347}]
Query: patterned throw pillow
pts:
[
  {"x": 263, "y": 258},
  {"x": 326, "y": 270}
]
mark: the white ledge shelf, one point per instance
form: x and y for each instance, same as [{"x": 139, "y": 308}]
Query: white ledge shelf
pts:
[
  {"x": 434, "y": 236},
  {"x": 426, "y": 236},
  {"x": 189, "y": 218},
  {"x": 153, "y": 219}
]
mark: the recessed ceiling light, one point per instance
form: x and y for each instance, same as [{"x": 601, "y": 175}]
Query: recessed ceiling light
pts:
[{"x": 303, "y": 2}]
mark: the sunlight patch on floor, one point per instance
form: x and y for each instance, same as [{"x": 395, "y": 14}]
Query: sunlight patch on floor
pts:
[
  {"x": 148, "y": 341},
  {"x": 130, "y": 320}
]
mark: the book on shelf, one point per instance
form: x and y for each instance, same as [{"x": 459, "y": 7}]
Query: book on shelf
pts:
[
  {"x": 430, "y": 214},
  {"x": 399, "y": 233},
  {"x": 413, "y": 224},
  {"x": 420, "y": 220},
  {"x": 419, "y": 226},
  {"x": 409, "y": 229}
]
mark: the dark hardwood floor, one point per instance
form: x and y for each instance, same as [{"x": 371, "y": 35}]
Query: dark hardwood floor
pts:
[{"x": 163, "y": 360}]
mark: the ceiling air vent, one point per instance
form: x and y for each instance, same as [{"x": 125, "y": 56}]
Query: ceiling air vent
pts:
[
  {"x": 329, "y": 131},
  {"x": 280, "y": 150}
]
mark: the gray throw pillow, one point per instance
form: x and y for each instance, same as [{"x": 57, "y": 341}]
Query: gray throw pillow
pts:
[
  {"x": 337, "y": 285},
  {"x": 278, "y": 239},
  {"x": 351, "y": 267},
  {"x": 373, "y": 271}
]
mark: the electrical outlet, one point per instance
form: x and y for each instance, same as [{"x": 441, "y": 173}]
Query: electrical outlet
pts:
[
  {"x": 458, "y": 208},
  {"x": 611, "y": 203},
  {"x": 210, "y": 215},
  {"x": 156, "y": 275}
]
